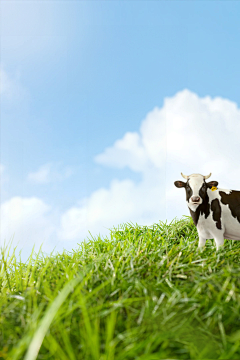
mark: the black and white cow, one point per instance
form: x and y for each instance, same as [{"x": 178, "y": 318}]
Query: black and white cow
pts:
[{"x": 215, "y": 211}]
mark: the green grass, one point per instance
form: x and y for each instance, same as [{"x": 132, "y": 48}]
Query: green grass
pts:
[{"x": 143, "y": 293}]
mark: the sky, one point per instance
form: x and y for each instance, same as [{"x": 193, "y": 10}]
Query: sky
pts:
[{"x": 103, "y": 105}]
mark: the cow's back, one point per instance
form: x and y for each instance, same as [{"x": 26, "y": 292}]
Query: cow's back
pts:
[{"x": 230, "y": 217}]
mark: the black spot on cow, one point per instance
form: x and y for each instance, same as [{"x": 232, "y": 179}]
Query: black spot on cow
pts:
[
  {"x": 233, "y": 201},
  {"x": 210, "y": 184},
  {"x": 202, "y": 209},
  {"x": 216, "y": 209},
  {"x": 189, "y": 191}
]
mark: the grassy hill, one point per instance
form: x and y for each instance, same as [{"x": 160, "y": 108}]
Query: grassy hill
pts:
[{"x": 143, "y": 293}]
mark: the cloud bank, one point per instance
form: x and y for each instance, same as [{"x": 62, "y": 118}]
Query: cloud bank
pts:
[{"x": 187, "y": 129}]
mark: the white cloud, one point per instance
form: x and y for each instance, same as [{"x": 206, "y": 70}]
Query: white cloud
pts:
[
  {"x": 128, "y": 151},
  {"x": 188, "y": 134},
  {"x": 28, "y": 221},
  {"x": 187, "y": 128},
  {"x": 124, "y": 201},
  {"x": 50, "y": 172}
]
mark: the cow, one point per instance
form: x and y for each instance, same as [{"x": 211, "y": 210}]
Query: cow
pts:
[{"x": 215, "y": 212}]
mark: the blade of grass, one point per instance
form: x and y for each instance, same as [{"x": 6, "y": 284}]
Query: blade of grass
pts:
[{"x": 37, "y": 340}]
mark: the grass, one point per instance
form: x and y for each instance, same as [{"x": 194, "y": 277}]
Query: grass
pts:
[{"x": 143, "y": 293}]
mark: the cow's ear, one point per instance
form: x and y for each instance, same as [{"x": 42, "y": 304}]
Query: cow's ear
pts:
[
  {"x": 179, "y": 184},
  {"x": 210, "y": 184}
]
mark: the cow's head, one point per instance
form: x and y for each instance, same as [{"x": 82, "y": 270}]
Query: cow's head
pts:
[{"x": 196, "y": 188}]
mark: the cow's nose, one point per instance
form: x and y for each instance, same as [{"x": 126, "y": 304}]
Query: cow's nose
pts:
[{"x": 195, "y": 198}]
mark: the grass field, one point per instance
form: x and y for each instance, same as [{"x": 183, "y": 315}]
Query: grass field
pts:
[{"x": 142, "y": 293}]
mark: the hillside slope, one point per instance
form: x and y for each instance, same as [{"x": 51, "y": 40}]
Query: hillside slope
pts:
[{"x": 143, "y": 293}]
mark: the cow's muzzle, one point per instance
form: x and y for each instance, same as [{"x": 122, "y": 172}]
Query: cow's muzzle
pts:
[{"x": 195, "y": 199}]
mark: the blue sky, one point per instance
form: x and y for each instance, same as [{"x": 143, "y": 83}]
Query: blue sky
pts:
[{"x": 77, "y": 76}]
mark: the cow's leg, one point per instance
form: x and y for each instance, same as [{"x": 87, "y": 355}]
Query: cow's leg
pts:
[
  {"x": 202, "y": 237},
  {"x": 218, "y": 235},
  {"x": 201, "y": 241},
  {"x": 219, "y": 240}
]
